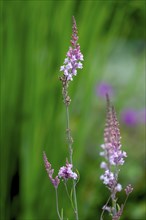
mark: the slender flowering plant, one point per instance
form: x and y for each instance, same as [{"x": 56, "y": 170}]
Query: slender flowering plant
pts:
[
  {"x": 111, "y": 149},
  {"x": 72, "y": 62},
  {"x": 113, "y": 159}
]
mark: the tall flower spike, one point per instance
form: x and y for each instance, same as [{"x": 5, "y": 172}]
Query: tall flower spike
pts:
[
  {"x": 55, "y": 181},
  {"x": 112, "y": 131},
  {"x": 73, "y": 57},
  {"x": 111, "y": 149}
]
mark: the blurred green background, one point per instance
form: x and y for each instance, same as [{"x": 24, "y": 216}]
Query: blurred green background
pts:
[{"x": 35, "y": 36}]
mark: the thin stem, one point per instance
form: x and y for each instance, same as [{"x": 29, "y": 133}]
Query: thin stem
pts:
[
  {"x": 57, "y": 208},
  {"x": 69, "y": 196},
  {"x": 70, "y": 141},
  {"x": 105, "y": 207},
  {"x": 125, "y": 201},
  {"x": 114, "y": 204},
  {"x": 114, "y": 200}
]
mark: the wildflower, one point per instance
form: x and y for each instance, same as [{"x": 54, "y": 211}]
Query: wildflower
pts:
[
  {"x": 118, "y": 187},
  {"x": 108, "y": 178},
  {"x": 114, "y": 157},
  {"x": 103, "y": 165},
  {"x": 66, "y": 172},
  {"x": 112, "y": 152},
  {"x": 128, "y": 189},
  {"x": 73, "y": 57},
  {"x": 55, "y": 181},
  {"x": 130, "y": 117},
  {"x": 103, "y": 88}
]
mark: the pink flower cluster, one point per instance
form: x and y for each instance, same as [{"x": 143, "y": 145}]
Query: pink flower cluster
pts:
[
  {"x": 73, "y": 57},
  {"x": 65, "y": 172},
  {"x": 109, "y": 180},
  {"x": 55, "y": 181},
  {"x": 114, "y": 155},
  {"x": 112, "y": 152}
]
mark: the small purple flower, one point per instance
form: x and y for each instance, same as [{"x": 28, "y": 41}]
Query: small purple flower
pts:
[
  {"x": 118, "y": 187},
  {"x": 130, "y": 117},
  {"x": 133, "y": 117},
  {"x": 73, "y": 57},
  {"x": 128, "y": 189},
  {"x": 55, "y": 181},
  {"x": 104, "y": 88},
  {"x": 66, "y": 172},
  {"x": 108, "y": 178}
]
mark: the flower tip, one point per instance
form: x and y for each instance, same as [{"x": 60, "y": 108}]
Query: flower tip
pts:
[
  {"x": 118, "y": 187},
  {"x": 44, "y": 156},
  {"x": 107, "y": 99},
  {"x": 128, "y": 189},
  {"x": 73, "y": 19}
]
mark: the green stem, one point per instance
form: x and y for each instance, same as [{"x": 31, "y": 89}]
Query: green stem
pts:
[
  {"x": 69, "y": 196},
  {"x": 125, "y": 201},
  {"x": 70, "y": 141},
  {"x": 114, "y": 205},
  {"x": 57, "y": 208},
  {"x": 113, "y": 196},
  {"x": 101, "y": 217}
]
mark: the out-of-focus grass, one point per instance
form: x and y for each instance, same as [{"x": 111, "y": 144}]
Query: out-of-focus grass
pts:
[{"x": 35, "y": 39}]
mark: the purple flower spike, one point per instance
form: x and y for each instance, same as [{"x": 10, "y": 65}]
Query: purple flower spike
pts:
[
  {"x": 112, "y": 152},
  {"x": 74, "y": 56},
  {"x": 66, "y": 172},
  {"x": 50, "y": 172},
  {"x": 103, "y": 88},
  {"x": 113, "y": 158}
]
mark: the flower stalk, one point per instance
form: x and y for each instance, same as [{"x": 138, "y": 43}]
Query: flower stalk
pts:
[
  {"x": 70, "y": 142},
  {"x": 57, "y": 206},
  {"x": 72, "y": 62},
  {"x": 113, "y": 159},
  {"x": 113, "y": 156}
]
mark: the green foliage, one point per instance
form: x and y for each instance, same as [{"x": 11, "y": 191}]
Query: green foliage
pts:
[{"x": 35, "y": 38}]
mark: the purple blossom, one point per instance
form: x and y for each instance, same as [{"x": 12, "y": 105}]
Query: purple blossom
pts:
[
  {"x": 104, "y": 88},
  {"x": 128, "y": 189},
  {"x": 118, "y": 187},
  {"x": 133, "y": 117},
  {"x": 111, "y": 150},
  {"x": 130, "y": 117},
  {"x": 66, "y": 172},
  {"x": 73, "y": 57},
  {"x": 55, "y": 181},
  {"x": 108, "y": 178},
  {"x": 113, "y": 158}
]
